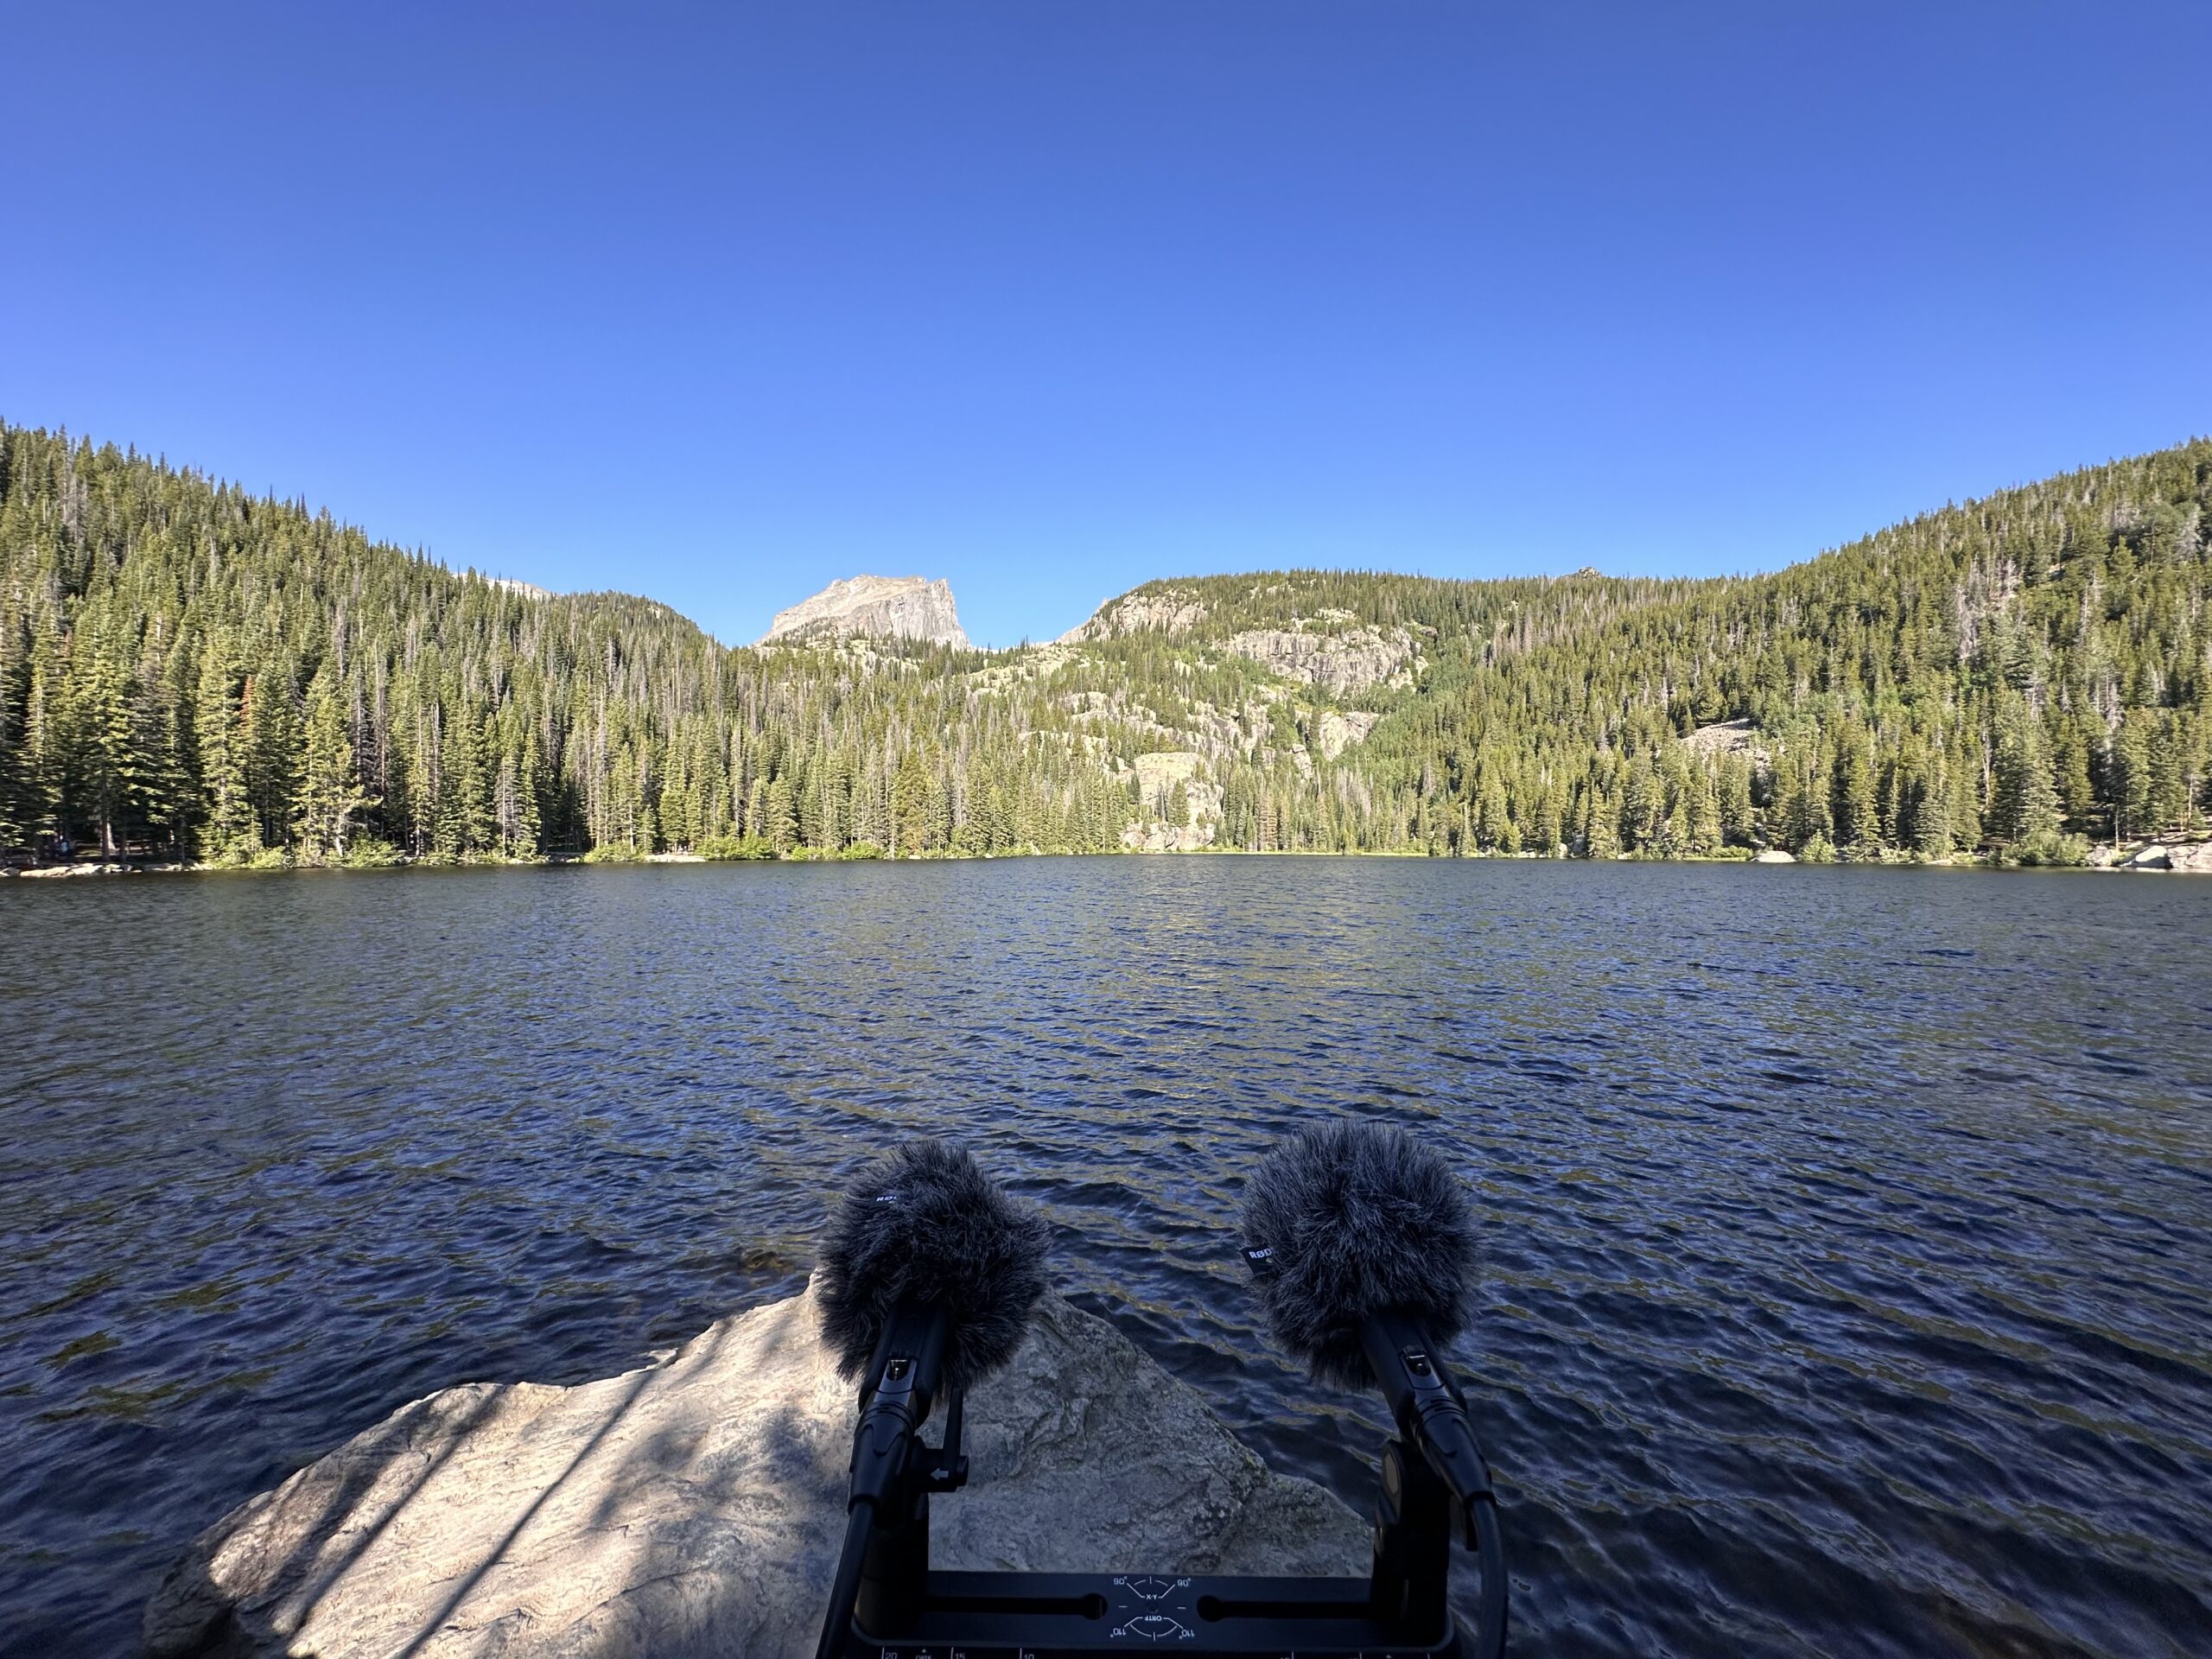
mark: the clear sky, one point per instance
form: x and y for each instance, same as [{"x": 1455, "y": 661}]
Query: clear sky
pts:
[{"x": 1052, "y": 296}]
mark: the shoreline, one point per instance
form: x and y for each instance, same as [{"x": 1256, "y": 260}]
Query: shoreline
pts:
[{"x": 2149, "y": 858}]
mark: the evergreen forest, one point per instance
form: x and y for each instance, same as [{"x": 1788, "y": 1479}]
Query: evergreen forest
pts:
[{"x": 189, "y": 672}]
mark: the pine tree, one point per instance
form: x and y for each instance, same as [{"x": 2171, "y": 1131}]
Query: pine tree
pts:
[
  {"x": 2167, "y": 790},
  {"x": 2023, "y": 801},
  {"x": 523, "y": 826},
  {"x": 476, "y": 782},
  {"x": 272, "y": 752},
  {"x": 103, "y": 741},
  {"x": 327, "y": 796},
  {"x": 910, "y": 806},
  {"x": 782, "y": 826},
  {"x": 1856, "y": 810},
  {"x": 17, "y": 819},
  {"x": 1738, "y": 817},
  {"x": 1702, "y": 813},
  {"x": 230, "y": 831},
  {"x": 2069, "y": 761}
]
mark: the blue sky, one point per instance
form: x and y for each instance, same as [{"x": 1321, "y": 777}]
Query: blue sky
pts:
[{"x": 717, "y": 304}]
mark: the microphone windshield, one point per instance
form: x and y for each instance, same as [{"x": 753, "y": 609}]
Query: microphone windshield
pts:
[
  {"x": 926, "y": 1224},
  {"x": 1349, "y": 1221}
]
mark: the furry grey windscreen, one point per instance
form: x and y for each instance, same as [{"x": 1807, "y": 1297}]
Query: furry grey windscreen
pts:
[
  {"x": 924, "y": 1221},
  {"x": 1360, "y": 1218}
]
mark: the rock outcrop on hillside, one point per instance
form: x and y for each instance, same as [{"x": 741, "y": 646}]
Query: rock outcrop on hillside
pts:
[
  {"x": 695, "y": 1507},
  {"x": 1338, "y": 661},
  {"x": 1169, "y": 611},
  {"x": 875, "y": 607},
  {"x": 1331, "y": 648},
  {"x": 1728, "y": 737},
  {"x": 1167, "y": 822},
  {"x": 1338, "y": 732}
]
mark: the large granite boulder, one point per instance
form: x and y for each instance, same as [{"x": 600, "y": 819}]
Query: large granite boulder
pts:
[{"x": 695, "y": 1507}]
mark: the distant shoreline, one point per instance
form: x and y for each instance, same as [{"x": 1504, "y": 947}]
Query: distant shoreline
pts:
[{"x": 2149, "y": 858}]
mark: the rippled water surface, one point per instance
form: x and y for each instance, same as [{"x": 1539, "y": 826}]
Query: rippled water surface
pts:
[{"x": 1848, "y": 1232}]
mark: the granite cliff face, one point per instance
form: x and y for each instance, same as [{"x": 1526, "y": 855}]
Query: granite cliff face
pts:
[
  {"x": 1339, "y": 661},
  {"x": 877, "y": 608},
  {"x": 1330, "y": 649},
  {"x": 695, "y": 1507},
  {"x": 1170, "y": 611},
  {"x": 1168, "y": 822}
]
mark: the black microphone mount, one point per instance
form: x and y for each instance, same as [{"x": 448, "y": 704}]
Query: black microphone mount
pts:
[
  {"x": 1431, "y": 1415},
  {"x": 1434, "y": 1484},
  {"x": 929, "y": 1276},
  {"x": 893, "y": 1471}
]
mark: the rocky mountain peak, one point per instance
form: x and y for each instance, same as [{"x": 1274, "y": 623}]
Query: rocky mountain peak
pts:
[{"x": 895, "y": 607}]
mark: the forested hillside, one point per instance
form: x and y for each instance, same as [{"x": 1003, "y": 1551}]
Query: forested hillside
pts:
[
  {"x": 2015, "y": 674},
  {"x": 190, "y": 671},
  {"x": 187, "y": 670}
]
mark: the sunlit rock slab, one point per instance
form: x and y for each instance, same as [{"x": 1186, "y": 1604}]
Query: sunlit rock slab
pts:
[{"x": 695, "y": 1507}]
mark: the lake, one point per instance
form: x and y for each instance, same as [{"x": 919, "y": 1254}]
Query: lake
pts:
[{"x": 1847, "y": 1231}]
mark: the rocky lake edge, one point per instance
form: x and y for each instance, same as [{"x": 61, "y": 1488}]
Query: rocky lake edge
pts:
[{"x": 695, "y": 1505}]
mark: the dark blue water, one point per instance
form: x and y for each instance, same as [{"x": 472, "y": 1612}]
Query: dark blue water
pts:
[{"x": 1848, "y": 1230}]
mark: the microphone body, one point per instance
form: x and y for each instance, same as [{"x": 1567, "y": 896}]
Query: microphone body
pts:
[
  {"x": 1430, "y": 1412},
  {"x": 1361, "y": 1243},
  {"x": 903, "y": 1383},
  {"x": 927, "y": 1278}
]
